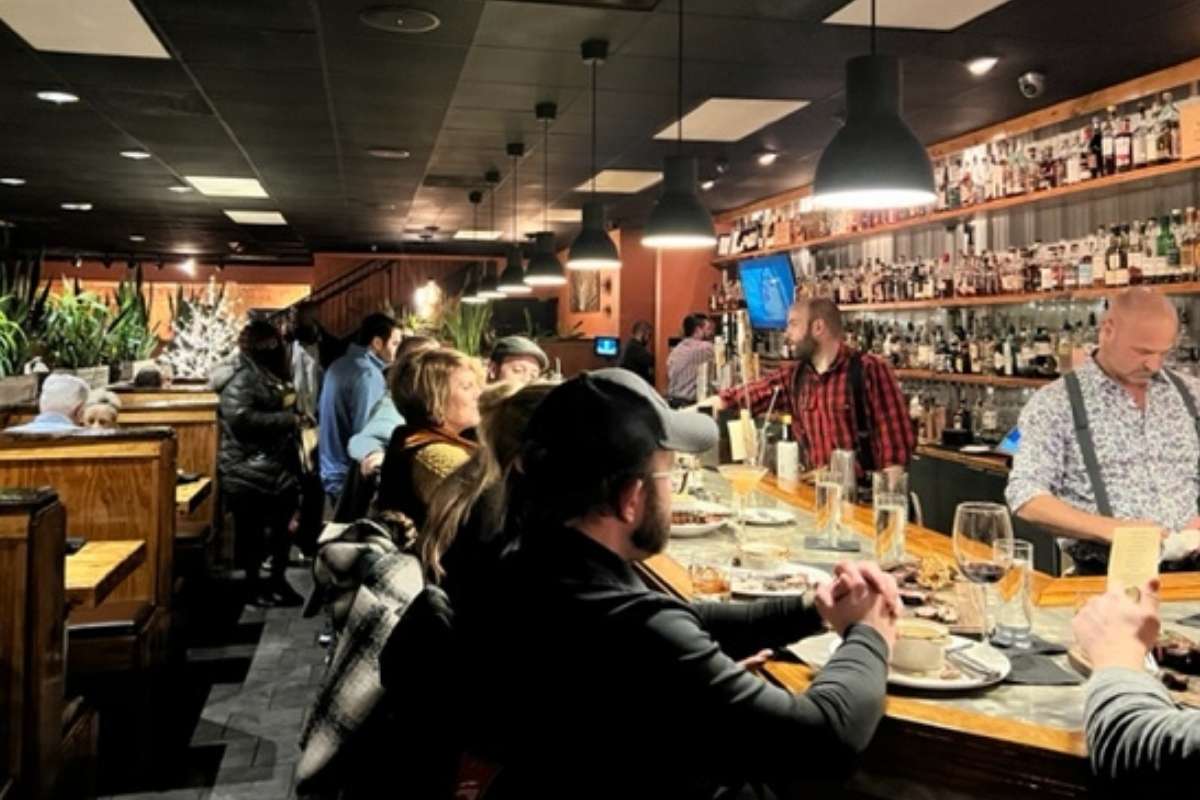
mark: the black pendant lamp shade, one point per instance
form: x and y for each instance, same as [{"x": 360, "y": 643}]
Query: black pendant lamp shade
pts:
[
  {"x": 470, "y": 292},
  {"x": 512, "y": 280},
  {"x": 679, "y": 221},
  {"x": 544, "y": 267},
  {"x": 593, "y": 249},
  {"x": 875, "y": 160}
]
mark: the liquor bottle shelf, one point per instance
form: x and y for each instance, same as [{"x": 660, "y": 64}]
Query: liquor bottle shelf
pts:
[
  {"x": 1092, "y": 293},
  {"x": 1094, "y": 185},
  {"x": 1000, "y": 381}
]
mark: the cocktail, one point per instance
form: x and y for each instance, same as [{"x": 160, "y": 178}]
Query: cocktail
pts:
[{"x": 743, "y": 478}]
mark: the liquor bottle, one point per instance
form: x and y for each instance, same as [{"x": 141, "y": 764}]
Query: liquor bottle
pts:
[
  {"x": 989, "y": 424},
  {"x": 1153, "y": 139},
  {"x": 1169, "y": 227},
  {"x": 1123, "y": 147},
  {"x": 1025, "y": 353},
  {"x": 1139, "y": 138},
  {"x": 1140, "y": 269},
  {"x": 1124, "y": 276},
  {"x": 953, "y": 185},
  {"x": 1187, "y": 245},
  {"x": 1063, "y": 156},
  {"x": 1066, "y": 346},
  {"x": 1008, "y": 363},
  {"x": 1043, "y": 363},
  {"x": 1068, "y": 258},
  {"x": 1108, "y": 136},
  {"x": 1033, "y": 168},
  {"x": 1096, "y": 149},
  {"x": 1174, "y": 133},
  {"x": 787, "y": 454},
  {"x": 1048, "y": 173},
  {"x": 1112, "y": 259}
]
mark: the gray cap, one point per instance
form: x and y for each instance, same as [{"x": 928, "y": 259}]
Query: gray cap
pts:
[{"x": 511, "y": 346}]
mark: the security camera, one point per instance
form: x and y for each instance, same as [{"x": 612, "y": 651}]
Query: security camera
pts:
[{"x": 1032, "y": 84}]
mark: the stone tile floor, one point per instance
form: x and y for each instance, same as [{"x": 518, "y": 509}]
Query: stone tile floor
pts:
[{"x": 234, "y": 707}]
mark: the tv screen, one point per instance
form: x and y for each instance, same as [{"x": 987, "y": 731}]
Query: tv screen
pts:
[
  {"x": 768, "y": 286},
  {"x": 607, "y": 346}
]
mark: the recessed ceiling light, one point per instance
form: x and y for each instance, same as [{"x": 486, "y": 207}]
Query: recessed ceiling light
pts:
[
  {"x": 136, "y": 155},
  {"x": 97, "y": 27},
  {"x": 708, "y": 184},
  {"x": 58, "y": 98},
  {"x": 482, "y": 236},
  {"x": 256, "y": 217},
  {"x": 766, "y": 158},
  {"x": 729, "y": 119},
  {"x": 135, "y": 237},
  {"x": 934, "y": 15},
  {"x": 213, "y": 186},
  {"x": 391, "y": 153},
  {"x": 180, "y": 189},
  {"x": 399, "y": 19},
  {"x": 76, "y": 206},
  {"x": 12, "y": 181},
  {"x": 981, "y": 66},
  {"x": 622, "y": 181}
]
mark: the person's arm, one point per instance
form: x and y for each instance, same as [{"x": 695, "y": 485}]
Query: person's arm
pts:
[
  {"x": 375, "y": 435},
  {"x": 742, "y": 629},
  {"x": 372, "y": 388},
  {"x": 760, "y": 393},
  {"x": 1135, "y": 732},
  {"x": 247, "y": 422},
  {"x": 892, "y": 436}
]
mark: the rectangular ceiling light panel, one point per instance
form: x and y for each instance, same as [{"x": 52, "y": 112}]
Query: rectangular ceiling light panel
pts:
[
  {"x": 932, "y": 15},
  {"x": 622, "y": 181},
  {"x": 477, "y": 236},
  {"x": 256, "y": 217},
  {"x": 730, "y": 119},
  {"x": 212, "y": 186},
  {"x": 88, "y": 27},
  {"x": 564, "y": 215}
]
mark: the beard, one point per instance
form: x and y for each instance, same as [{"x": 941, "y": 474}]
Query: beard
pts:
[
  {"x": 651, "y": 536},
  {"x": 805, "y": 348}
]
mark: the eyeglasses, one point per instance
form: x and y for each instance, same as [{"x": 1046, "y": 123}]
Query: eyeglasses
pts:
[{"x": 678, "y": 478}]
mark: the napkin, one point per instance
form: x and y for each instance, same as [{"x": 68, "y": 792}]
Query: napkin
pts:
[{"x": 1033, "y": 666}]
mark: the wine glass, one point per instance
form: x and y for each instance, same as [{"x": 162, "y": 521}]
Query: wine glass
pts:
[
  {"x": 743, "y": 479},
  {"x": 983, "y": 547}
]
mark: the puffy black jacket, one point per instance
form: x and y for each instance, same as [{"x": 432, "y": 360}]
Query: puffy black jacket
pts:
[{"x": 259, "y": 430}]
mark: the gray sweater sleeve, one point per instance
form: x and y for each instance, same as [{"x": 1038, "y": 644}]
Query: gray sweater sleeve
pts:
[{"x": 1135, "y": 732}]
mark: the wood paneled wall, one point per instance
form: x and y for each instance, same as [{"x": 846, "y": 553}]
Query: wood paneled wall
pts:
[
  {"x": 32, "y": 544},
  {"x": 115, "y": 485}
]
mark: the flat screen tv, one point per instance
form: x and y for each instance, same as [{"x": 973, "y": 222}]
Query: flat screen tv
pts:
[
  {"x": 607, "y": 346},
  {"x": 768, "y": 286}
]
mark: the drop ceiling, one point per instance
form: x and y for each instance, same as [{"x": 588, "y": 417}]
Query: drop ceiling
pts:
[{"x": 292, "y": 94}]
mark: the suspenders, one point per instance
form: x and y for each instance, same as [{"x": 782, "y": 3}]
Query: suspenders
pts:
[{"x": 1083, "y": 434}]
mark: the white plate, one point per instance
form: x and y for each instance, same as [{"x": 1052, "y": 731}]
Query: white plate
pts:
[
  {"x": 975, "y": 448},
  {"x": 747, "y": 582},
  {"x": 689, "y": 531},
  {"x": 768, "y": 516},
  {"x": 817, "y": 650},
  {"x": 701, "y": 506}
]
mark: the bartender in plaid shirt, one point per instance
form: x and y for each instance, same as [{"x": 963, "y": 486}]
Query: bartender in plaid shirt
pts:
[{"x": 818, "y": 388}]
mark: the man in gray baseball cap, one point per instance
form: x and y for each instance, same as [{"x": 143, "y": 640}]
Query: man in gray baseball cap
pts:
[
  {"x": 580, "y": 647},
  {"x": 516, "y": 358}
]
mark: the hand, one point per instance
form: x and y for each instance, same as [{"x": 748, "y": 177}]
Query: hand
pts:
[
  {"x": 754, "y": 662},
  {"x": 875, "y": 577},
  {"x": 1115, "y": 631},
  {"x": 371, "y": 463},
  {"x": 849, "y": 598}
]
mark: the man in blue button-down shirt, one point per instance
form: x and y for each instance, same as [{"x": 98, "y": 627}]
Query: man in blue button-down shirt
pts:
[{"x": 353, "y": 385}]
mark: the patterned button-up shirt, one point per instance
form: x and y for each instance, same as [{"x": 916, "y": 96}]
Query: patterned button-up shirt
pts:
[
  {"x": 1148, "y": 458},
  {"x": 683, "y": 368}
]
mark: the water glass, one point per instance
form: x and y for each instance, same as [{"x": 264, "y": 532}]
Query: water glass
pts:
[
  {"x": 828, "y": 506},
  {"x": 889, "y": 501},
  {"x": 1014, "y": 614},
  {"x": 711, "y": 581}
]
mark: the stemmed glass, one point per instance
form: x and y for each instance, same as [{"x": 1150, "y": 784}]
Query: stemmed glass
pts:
[
  {"x": 983, "y": 547},
  {"x": 743, "y": 479}
]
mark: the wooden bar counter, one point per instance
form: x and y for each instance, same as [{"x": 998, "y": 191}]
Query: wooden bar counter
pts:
[{"x": 1003, "y": 742}]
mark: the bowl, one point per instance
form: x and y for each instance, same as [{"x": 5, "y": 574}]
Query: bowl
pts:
[{"x": 920, "y": 645}]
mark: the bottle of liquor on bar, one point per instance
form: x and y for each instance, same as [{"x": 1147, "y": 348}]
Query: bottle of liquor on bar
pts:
[
  {"x": 1108, "y": 141},
  {"x": 1139, "y": 138},
  {"x": 1125, "y": 275},
  {"x": 1171, "y": 121},
  {"x": 1048, "y": 178},
  {"x": 1086, "y": 275},
  {"x": 1068, "y": 259},
  {"x": 1008, "y": 352},
  {"x": 1170, "y": 246},
  {"x": 1124, "y": 147},
  {"x": 1141, "y": 268},
  {"x": 1066, "y": 345},
  {"x": 1024, "y": 364},
  {"x": 1064, "y": 159},
  {"x": 1112, "y": 259},
  {"x": 1017, "y": 170},
  {"x": 1048, "y": 276},
  {"x": 1153, "y": 138},
  {"x": 989, "y": 424},
  {"x": 1187, "y": 245},
  {"x": 953, "y": 198}
]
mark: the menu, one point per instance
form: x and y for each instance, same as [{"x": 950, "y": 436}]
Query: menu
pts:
[{"x": 1133, "y": 559}]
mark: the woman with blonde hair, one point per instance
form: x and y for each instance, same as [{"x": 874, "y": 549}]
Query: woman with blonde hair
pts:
[
  {"x": 437, "y": 393},
  {"x": 466, "y": 512}
]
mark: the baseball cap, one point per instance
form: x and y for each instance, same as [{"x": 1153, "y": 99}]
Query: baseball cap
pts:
[
  {"x": 609, "y": 420},
  {"x": 511, "y": 346}
]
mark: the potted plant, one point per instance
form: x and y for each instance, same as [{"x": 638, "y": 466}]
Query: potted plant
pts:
[
  {"x": 23, "y": 306},
  {"x": 75, "y": 334},
  {"x": 465, "y": 325},
  {"x": 130, "y": 337}
]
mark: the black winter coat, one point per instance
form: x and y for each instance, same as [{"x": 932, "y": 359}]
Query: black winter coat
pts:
[{"x": 260, "y": 433}]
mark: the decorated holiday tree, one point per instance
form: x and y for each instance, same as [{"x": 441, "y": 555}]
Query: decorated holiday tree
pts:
[{"x": 205, "y": 328}]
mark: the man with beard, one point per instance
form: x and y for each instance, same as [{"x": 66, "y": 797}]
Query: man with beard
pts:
[
  {"x": 580, "y": 650},
  {"x": 839, "y": 399}
]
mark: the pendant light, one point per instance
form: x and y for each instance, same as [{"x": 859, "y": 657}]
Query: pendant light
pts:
[
  {"x": 470, "y": 292},
  {"x": 489, "y": 288},
  {"x": 592, "y": 248},
  {"x": 544, "y": 267},
  {"x": 875, "y": 160},
  {"x": 679, "y": 221},
  {"x": 512, "y": 280}
]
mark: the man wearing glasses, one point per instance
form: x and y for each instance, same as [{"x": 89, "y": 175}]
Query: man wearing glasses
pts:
[{"x": 591, "y": 498}]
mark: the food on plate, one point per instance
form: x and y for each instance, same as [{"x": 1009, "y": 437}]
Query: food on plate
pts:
[
  {"x": 760, "y": 555},
  {"x": 931, "y": 573},
  {"x": 920, "y": 646},
  {"x": 695, "y": 517},
  {"x": 766, "y": 583},
  {"x": 1174, "y": 651}
]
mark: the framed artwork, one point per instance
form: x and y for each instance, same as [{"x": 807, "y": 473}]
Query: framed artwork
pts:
[{"x": 585, "y": 291}]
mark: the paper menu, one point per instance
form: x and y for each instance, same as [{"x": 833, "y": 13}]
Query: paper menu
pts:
[{"x": 1133, "y": 559}]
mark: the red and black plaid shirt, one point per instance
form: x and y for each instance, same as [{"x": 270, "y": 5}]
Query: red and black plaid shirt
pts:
[{"x": 823, "y": 409}]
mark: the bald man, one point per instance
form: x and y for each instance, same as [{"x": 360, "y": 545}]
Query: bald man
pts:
[
  {"x": 839, "y": 398},
  {"x": 1115, "y": 442}
]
